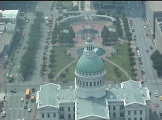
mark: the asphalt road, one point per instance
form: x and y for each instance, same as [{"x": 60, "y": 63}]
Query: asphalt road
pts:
[
  {"x": 13, "y": 106},
  {"x": 152, "y": 81}
]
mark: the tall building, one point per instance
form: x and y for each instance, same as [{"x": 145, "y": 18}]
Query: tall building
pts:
[
  {"x": 153, "y": 10},
  {"x": 92, "y": 98},
  {"x": 154, "y": 15},
  {"x": 8, "y": 26}
]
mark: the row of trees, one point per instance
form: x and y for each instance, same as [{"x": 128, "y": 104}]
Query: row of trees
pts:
[
  {"x": 34, "y": 37},
  {"x": 108, "y": 37},
  {"x": 126, "y": 28},
  {"x": 132, "y": 60},
  {"x": 156, "y": 57},
  {"x": 118, "y": 27}
]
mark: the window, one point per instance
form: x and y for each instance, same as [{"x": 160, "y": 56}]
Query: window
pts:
[
  {"x": 80, "y": 83},
  {"x": 68, "y": 108},
  {"x": 48, "y": 115},
  {"x": 135, "y": 112},
  {"x": 86, "y": 83},
  {"x": 140, "y": 112},
  {"x": 83, "y": 83},
  {"x": 73, "y": 108},
  {"x": 129, "y": 112},
  {"x": 140, "y": 118},
  {"x": 113, "y": 107},
  {"x": 69, "y": 116},
  {"x": 42, "y": 115},
  {"x": 109, "y": 107},
  {"x": 61, "y": 109},
  {"x": 100, "y": 82},
  {"x": 122, "y": 114},
  {"x": 94, "y": 83},
  {"x": 54, "y": 114},
  {"x": 97, "y": 83},
  {"x": 135, "y": 118},
  {"x": 114, "y": 114},
  {"x": 61, "y": 116},
  {"x": 129, "y": 118},
  {"x": 90, "y": 83}
]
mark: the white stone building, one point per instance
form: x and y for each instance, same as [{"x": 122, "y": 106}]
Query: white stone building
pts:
[{"x": 91, "y": 99}]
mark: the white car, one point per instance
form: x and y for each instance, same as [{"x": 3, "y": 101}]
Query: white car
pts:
[
  {"x": 156, "y": 94},
  {"x": 22, "y": 99},
  {"x": 29, "y": 109}
]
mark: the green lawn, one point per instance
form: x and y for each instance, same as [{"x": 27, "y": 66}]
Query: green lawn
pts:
[
  {"x": 121, "y": 57},
  {"x": 61, "y": 59},
  {"x": 108, "y": 77}
]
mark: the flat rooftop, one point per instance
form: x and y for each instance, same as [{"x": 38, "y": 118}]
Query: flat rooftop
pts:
[
  {"x": 9, "y": 13},
  {"x": 156, "y": 5},
  {"x": 4, "y": 40}
]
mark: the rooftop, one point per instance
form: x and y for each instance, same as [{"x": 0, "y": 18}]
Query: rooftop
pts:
[
  {"x": 156, "y": 5},
  {"x": 9, "y": 13},
  {"x": 5, "y": 37}
]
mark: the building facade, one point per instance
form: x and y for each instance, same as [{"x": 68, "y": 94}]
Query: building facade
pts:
[{"x": 91, "y": 98}]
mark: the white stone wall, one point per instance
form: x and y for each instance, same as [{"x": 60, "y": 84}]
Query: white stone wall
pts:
[
  {"x": 116, "y": 107},
  {"x": 135, "y": 112}
]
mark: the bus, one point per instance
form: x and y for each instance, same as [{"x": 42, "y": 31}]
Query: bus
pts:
[{"x": 27, "y": 93}]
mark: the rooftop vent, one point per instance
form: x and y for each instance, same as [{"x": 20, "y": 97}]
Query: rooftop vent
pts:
[
  {"x": 142, "y": 93},
  {"x": 116, "y": 86}
]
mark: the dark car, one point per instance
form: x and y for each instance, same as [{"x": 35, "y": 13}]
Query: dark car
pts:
[
  {"x": 33, "y": 89},
  {"x": 13, "y": 91},
  {"x": 25, "y": 107},
  {"x": 26, "y": 101}
]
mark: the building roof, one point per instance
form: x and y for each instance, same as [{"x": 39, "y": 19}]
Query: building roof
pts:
[
  {"x": 92, "y": 107},
  {"x": 6, "y": 37},
  {"x": 90, "y": 64},
  {"x": 51, "y": 95},
  {"x": 131, "y": 92},
  {"x": 156, "y": 5},
  {"x": 9, "y": 13}
]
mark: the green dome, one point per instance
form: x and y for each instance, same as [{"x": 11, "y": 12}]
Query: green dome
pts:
[
  {"x": 90, "y": 64},
  {"x": 89, "y": 39}
]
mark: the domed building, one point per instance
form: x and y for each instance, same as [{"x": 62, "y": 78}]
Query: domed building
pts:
[{"x": 91, "y": 98}]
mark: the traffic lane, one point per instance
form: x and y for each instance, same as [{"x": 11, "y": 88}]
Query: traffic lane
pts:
[{"x": 142, "y": 46}]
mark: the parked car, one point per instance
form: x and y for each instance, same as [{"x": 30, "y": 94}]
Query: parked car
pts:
[
  {"x": 13, "y": 91},
  {"x": 33, "y": 89},
  {"x": 142, "y": 71},
  {"x": 29, "y": 109},
  {"x": 156, "y": 94}
]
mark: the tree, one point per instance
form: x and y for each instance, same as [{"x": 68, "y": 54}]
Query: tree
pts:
[
  {"x": 62, "y": 75},
  {"x": 71, "y": 33},
  {"x": 52, "y": 51},
  {"x": 67, "y": 70},
  {"x": 50, "y": 75},
  {"x": 51, "y": 66},
  {"x": 105, "y": 32}
]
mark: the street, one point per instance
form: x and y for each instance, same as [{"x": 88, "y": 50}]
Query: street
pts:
[
  {"x": 152, "y": 81},
  {"x": 14, "y": 107}
]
